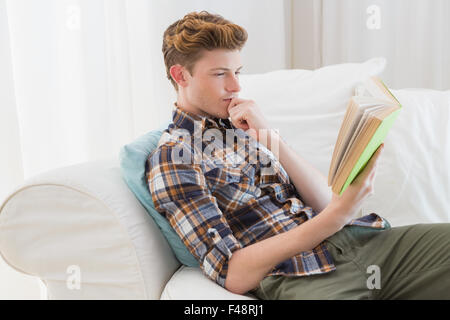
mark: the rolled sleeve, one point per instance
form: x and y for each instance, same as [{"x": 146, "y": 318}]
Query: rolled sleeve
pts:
[
  {"x": 219, "y": 255},
  {"x": 179, "y": 192}
]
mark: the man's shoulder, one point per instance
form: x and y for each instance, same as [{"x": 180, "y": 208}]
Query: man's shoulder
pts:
[
  {"x": 173, "y": 149},
  {"x": 169, "y": 141}
]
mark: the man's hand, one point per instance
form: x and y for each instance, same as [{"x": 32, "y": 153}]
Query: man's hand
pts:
[
  {"x": 246, "y": 115},
  {"x": 357, "y": 192}
]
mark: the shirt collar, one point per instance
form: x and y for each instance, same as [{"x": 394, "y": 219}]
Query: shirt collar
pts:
[{"x": 186, "y": 120}]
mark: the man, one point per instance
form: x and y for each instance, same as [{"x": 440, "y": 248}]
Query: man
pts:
[{"x": 264, "y": 220}]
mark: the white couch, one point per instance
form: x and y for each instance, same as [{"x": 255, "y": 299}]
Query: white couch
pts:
[
  {"x": 85, "y": 235},
  {"x": 83, "y": 220}
]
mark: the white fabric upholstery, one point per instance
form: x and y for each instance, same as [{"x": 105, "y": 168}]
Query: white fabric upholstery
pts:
[
  {"x": 413, "y": 178},
  {"x": 190, "y": 283},
  {"x": 86, "y": 216}
]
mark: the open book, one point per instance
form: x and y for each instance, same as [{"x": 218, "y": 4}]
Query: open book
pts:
[{"x": 369, "y": 116}]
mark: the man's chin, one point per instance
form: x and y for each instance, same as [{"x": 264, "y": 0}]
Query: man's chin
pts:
[{"x": 223, "y": 115}]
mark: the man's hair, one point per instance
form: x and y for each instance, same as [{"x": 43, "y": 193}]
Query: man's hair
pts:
[{"x": 185, "y": 39}]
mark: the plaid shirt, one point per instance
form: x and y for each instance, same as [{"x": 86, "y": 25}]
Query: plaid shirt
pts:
[{"x": 219, "y": 200}]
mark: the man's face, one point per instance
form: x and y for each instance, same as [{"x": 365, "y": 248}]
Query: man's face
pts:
[{"x": 215, "y": 78}]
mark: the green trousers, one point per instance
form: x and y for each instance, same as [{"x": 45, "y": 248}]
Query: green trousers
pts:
[{"x": 408, "y": 262}]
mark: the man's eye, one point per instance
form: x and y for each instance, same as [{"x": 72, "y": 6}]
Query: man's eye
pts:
[{"x": 221, "y": 74}]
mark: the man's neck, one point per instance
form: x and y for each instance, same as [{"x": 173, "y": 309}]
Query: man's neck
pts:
[{"x": 186, "y": 107}]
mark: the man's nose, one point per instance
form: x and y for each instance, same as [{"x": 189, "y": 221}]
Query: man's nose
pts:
[{"x": 233, "y": 84}]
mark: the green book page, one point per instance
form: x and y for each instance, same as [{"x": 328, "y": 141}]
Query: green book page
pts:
[{"x": 372, "y": 146}]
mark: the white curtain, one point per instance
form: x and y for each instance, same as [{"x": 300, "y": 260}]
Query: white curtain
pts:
[
  {"x": 413, "y": 35},
  {"x": 81, "y": 78}
]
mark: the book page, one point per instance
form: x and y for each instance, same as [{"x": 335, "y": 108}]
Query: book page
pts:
[
  {"x": 353, "y": 116},
  {"x": 364, "y": 113},
  {"x": 376, "y": 88},
  {"x": 361, "y": 91}
]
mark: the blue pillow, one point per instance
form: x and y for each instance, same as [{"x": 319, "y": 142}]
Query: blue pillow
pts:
[{"x": 133, "y": 158}]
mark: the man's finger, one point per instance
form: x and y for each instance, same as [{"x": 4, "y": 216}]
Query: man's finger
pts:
[
  {"x": 236, "y": 117},
  {"x": 234, "y": 102},
  {"x": 373, "y": 161},
  {"x": 376, "y": 155},
  {"x": 373, "y": 173}
]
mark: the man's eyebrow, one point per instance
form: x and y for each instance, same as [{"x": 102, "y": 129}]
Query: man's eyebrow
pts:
[{"x": 226, "y": 69}]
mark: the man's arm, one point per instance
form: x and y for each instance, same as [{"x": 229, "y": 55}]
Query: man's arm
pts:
[
  {"x": 310, "y": 183},
  {"x": 249, "y": 265}
]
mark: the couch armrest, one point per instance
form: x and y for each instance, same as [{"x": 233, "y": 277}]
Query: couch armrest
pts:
[{"x": 82, "y": 225}]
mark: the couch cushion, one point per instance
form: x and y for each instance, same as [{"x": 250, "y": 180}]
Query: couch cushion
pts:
[
  {"x": 133, "y": 157},
  {"x": 200, "y": 287},
  {"x": 413, "y": 181}
]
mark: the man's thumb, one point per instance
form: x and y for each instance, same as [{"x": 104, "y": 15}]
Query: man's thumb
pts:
[{"x": 371, "y": 163}]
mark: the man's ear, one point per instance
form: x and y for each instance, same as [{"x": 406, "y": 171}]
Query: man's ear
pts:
[{"x": 178, "y": 74}]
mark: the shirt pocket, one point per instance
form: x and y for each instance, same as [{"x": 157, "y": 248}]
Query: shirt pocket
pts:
[
  {"x": 220, "y": 176},
  {"x": 231, "y": 187}
]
